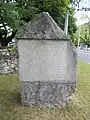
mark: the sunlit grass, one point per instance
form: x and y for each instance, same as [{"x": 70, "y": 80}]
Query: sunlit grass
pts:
[{"x": 78, "y": 109}]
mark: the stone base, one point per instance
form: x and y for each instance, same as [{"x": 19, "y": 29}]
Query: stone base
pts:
[{"x": 45, "y": 94}]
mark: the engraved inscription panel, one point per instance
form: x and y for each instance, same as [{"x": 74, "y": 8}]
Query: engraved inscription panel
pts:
[{"x": 42, "y": 60}]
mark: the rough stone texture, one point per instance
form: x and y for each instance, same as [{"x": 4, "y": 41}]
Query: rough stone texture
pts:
[
  {"x": 47, "y": 63},
  {"x": 42, "y": 27},
  {"x": 46, "y": 94},
  {"x": 8, "y": 62}
]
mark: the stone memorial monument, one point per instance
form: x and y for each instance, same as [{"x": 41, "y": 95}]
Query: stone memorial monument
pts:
[{"x": 47, "y": 63}]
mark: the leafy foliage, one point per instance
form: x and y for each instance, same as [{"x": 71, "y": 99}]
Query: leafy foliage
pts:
[
  {"x": 8, "y": 22},
  {"x": 56, "y": 8},
  {"x": 14, "y": 13},
  {"x": 83, "y": 32},
  {"x": 11, "y": 48}
]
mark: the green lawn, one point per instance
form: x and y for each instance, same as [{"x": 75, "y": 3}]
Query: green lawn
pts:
[{"x": 79, "y": 109}]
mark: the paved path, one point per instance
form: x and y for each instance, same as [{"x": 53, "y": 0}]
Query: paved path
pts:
[{"x": 84, "y": 56}]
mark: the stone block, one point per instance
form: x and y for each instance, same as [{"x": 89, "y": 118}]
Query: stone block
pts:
[{"x": 47, "y": 63}]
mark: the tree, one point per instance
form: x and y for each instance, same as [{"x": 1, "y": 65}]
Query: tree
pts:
[
  {"x": 85, "y": 16},
  {"x": 56, "y": 8},
  {"x": 75, "y": 3},
  {"x": 5, "y": 21},
  {"x": 82, "y": 35},
  {"x": 83, "y": 31},
  {"x": 9, "y": 21},
  {"x": 14, "y": 13}
]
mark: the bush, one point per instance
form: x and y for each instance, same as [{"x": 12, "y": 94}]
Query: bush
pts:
[{"x": 12, "y": 48}]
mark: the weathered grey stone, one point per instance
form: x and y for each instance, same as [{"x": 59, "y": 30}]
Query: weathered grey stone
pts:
[
  {"x": 47, "y": 63},
  {"x": 45, "y": 94},
  {"x": 42, "y": 27},
  {"x": 8, "y": 62}
]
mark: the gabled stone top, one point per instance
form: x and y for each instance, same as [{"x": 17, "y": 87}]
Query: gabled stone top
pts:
[{"x": 42, "y": 27}]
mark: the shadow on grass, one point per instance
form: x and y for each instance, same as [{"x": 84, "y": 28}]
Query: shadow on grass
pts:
[{"x": 15, "y": 98}]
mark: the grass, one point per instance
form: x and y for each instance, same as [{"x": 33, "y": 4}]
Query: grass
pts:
[{"x": 78, "y": 109}]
